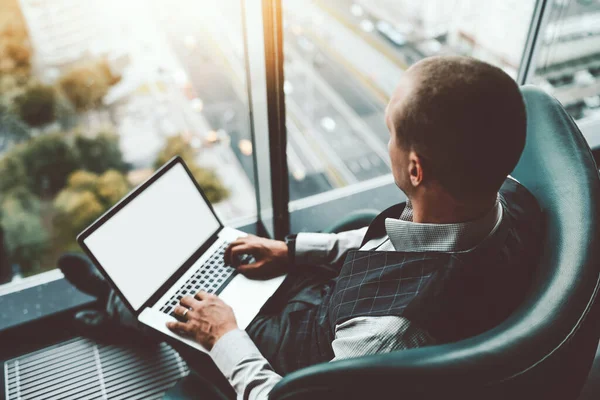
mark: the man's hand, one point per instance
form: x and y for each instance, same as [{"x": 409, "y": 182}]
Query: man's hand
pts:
[
  {"x": 208, "y": 318},
  {"x": 271, "y": 256}
]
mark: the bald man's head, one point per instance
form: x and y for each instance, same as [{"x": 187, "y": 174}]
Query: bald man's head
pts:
[{"x": 464, "y": 118}]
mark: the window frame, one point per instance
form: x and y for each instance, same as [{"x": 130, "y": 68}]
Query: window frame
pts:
[
  {"x": 589, "y": 127},
  {"x": 263, "y": 43}
]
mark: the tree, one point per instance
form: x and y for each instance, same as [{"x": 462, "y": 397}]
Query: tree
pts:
[
  {"x": 37, "y": 105},
  {"x": 12, "y": 130},
  {"x": 75, "y": 210},
  {"x": 66, "y": 115},
  {"x": 86, "y": 84},
  {"x": 175, "y": 146},
  {"x": 84, "y": 199},
  {"x": 13, "y": 172},
  {"x": 49, "y": 160},
  {"x": 82, "y": 180},
  {"x": 25, "y": 238},
  {"x": 44, "y": 163},
  {"x": 15, "y": 49},
  {"x": 210, "y": 183},
  {"x": 207, "y": 179},
  {"x": 105, "y": 70},
  {"x": 18, "y": 51},
  {"x": 111, "y": 187},
  {"x": 100, "y": 153}
]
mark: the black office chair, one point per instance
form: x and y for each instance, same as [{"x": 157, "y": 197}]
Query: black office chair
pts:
[{"x": 546, "y": 348}]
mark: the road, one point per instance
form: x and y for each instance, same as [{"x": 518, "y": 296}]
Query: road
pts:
[
  {"x": 336, "y": 130},
  {"x": 218, "y": 79},
  {"x": 403, "y": 56},
  {"x": 320, "y": 102}
]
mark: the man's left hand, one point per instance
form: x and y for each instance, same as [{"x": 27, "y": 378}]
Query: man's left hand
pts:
[{"x": 208, "y": 318}]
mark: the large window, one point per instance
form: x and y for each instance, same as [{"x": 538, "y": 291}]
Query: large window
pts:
[
  {"x": 95, "y": 95},
  {"x": 568, "y": 59},
  {"x": 343, "y": 59}
]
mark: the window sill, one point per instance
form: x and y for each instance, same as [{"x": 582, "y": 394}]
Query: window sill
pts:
[
  {"x": 40, "y": 300},
  {"x": 47, "y": 295},
  {"x": 316, "y": 213}
]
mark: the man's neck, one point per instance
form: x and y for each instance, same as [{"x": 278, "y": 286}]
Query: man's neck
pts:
[{"x": 444, "y": 209}]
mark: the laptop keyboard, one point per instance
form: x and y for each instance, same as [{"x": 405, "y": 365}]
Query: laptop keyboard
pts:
[{"x": 210, "y": 277}]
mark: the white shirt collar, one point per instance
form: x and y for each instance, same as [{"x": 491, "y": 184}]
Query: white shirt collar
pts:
[{"x": 409, "y": 236}]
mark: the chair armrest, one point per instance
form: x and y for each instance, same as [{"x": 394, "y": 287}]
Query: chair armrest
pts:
[{"x": 355, "y": 220}]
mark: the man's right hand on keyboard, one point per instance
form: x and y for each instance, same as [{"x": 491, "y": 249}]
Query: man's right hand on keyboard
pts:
[{"x": 271, "y": 256}]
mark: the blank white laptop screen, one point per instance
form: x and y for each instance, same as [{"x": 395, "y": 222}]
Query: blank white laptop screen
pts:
[{"x": 146, "y": 241}]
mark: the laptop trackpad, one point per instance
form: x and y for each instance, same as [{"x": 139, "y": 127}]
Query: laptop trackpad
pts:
[{"x": 247, "y": 296}]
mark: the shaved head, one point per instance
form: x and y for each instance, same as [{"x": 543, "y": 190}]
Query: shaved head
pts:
[{"x": 464, "y": 118}]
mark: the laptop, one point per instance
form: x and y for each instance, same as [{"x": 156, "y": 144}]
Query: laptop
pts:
[{"x": 164, "y": 241}]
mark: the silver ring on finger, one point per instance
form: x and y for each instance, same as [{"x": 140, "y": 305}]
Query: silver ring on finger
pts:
[{"x": 185, "y": 312}]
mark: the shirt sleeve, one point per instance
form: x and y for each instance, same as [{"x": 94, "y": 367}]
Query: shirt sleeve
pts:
[
  {"x": 253, "y": 378},
  {"x": 362, "y": 336},
  {"x": 238, "y": 358},
  {"x": 327, "y": 248}
]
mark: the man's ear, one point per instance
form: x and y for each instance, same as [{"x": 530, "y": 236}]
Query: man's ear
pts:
[{"x": 415, "y": 169}]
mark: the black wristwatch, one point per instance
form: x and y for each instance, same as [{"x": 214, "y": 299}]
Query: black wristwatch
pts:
[{"x": 290, "y": 241}]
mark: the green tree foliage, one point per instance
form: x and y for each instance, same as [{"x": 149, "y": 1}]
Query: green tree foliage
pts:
[
  {"x": 12, "y": 130},
  {"x": 82, "y": 180},
  {"x": 15, "y": 63},
  {"x": 175, "y": 146},
  {"x": 37, "y": 105},
  {"x": 210, "y": 183},
  {"x": 75, "y": 209},
  {"x": 13, "y": 173},
  {"x": 111, "y": 187},
  {"x": 207, "y": 179},
  {"x": 25, "y": 238},
  {"x": 86, "y": 84},
  {"x": 84, "y": 199},
  {"x": 49, "y": 160},
  {"x": 44, "y": 163},
  {"x": 100, "y": 153}
]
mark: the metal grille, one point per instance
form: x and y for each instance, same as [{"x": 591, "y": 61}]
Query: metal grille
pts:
[{"x": 83, "y": 369}]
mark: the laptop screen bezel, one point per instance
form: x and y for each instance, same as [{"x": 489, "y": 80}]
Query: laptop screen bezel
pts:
[{"x": 125, "y": 201}]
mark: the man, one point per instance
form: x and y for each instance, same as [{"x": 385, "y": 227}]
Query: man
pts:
[{"x": 452, "y": 262}]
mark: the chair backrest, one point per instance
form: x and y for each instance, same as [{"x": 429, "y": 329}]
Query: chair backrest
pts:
[{"x": 546, "y": 348}]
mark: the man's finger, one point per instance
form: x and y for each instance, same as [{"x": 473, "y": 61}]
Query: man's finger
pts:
[
  {"x": 237, "y": 242},
  {"x": 202, "y": 295},
  {"x": 236, "y": 252},
  {"x": 190, "y": 302},
  {"x": 250, "y": 268},
  {"x": 179, "y": 327},
  {"x": 179, "y": 310}
]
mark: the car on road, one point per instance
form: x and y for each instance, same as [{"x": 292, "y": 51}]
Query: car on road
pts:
[
  {"x": 357, "y": 10},
  {"x": 561, "y": 80},
  {"x": 429, "y": 47},
  {"x": 576, "y": 109},
  {"x": 388, "y": 31},
  {"x": 367, "y": 25},
  {"x": 592, "y": 102},
  {"x": 584, "y": 78},
  {"x": 328, "y": 124}
]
